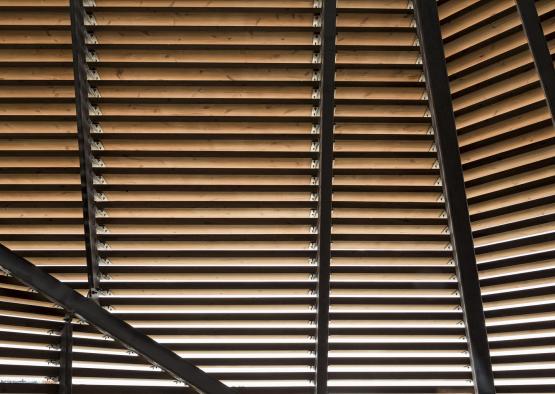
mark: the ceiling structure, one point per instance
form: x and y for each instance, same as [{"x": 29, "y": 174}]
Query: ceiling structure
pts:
[{"x": 274, "y": 192}]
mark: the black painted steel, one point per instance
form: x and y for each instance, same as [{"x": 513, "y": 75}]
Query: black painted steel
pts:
[
  {"x": 443, "y": 121},
  {"x": 66, "y": 357},
  {"x": 84, "y": 140},
  {"x": 538, "y": 46},
  {"x": 327, "y": 87},
  {"x": 88, "y": 310}
]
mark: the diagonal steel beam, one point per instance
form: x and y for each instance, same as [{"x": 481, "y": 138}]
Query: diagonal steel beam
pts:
[
  {"x": 88, "y": 310},
  {"x": 327, "y": 87},
  {"x": 538, "y": 46},
  {"x": 84, "y": 139},
  {"x": 443, "y": 121}
]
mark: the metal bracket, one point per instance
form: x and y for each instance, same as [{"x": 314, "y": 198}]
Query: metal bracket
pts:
[
  {"x": 102, "y": 261},
  {"x": 91, "y": 56},
  {"x": 316, "y": 58},
  {"x": 94, "y": 92},
  {"x": 102, "y": 230},
  {"x": 95, "y": 128},
  {"x": 317, "y": 21},
  {"x": 315, "y": 93},
  {"x": 99, "y": 180},
  {"x": 100, "y": 196},
  {"x": 314, "y": 146},
  {"x": 103, "y": 246},
  {"x": 90, "y": 38},
  {"x": 315, "y": 111},
  {"x": 315, "y": 129},
  {"x": 92, "y": 74},
  {"x": 96, "y": 145},
  {"x": 316, "y": 39},
  {"x": 101, "y": 213},
  {"x": 315, "y": 76},
  {"x": 90, "y": 20},
  {"x": 97, "y": 162},
  {"x": 94, "y": 110}
]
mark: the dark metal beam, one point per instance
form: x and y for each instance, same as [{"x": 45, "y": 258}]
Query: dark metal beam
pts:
[
  {"x": 66, "y": 357},
  {"x": 84, "y": 139},
  {"x": 538, "y": 46},
  {"x": 88, "y": 310},
  {"x": 327, "y": 87},
  {"x": 443, "y": 121}
]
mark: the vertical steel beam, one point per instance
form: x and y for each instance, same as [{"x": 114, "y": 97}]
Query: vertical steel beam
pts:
[
  {"x": 66, "y": 357},
  {"x": 88, "y": 310},
  {"x": 84, "y": 139},
  {"x": 538, "y": 46},
  {"x": 327, "y": 88},
  {"x": 443, "y": 121}
]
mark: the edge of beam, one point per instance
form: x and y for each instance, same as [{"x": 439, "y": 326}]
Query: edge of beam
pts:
[{"x": 327, "y": 105}]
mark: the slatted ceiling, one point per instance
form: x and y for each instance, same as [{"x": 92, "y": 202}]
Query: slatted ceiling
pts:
[
  {"x": 463, "y": 20},
  {"x": 472, "y": 66},
  {"x": 378, "y": 273},
  {"x": 208, "y": 224},
  {"x": 505, "y": 129},
  {"x": 182, "y": 154},
  {"x": 29, "y": 327},
  {"x": 40, "y": 186},
  {"x": 449, "y": 8}
]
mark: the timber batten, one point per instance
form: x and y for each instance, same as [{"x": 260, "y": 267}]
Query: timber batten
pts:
[{"x": 206, "y": 158}]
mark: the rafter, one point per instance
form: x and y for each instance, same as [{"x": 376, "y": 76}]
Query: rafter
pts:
[
  {"x": 540, "y": 51},
  {"x": 328, "y": 33},
  {"x": 443, "y": 121},
  {"x": 84, "y": 139}
]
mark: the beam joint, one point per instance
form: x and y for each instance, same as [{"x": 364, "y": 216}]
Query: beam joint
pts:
[
  {"x": 82, "y": 103},
  {"x": 443, "y": 122},
  {"x": 326, "y": 123},
  {"x": 540, "y": 52},
  {"x": 89, "y": 311}
]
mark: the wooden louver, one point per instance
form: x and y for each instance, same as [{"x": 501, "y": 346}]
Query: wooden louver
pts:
[
  {"x": 205, "y": 141},
  {"x": 506, "y": 138}
]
